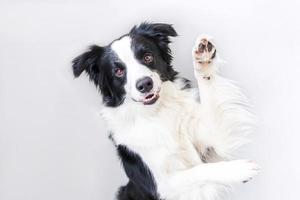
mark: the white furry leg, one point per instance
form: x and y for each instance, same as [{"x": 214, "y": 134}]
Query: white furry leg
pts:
[
  {"x": 224, "y": 108},
  {"x": 223, "y": 173}
]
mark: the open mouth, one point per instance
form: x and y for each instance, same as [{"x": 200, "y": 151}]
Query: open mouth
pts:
[{"x": 150, "y": 99}]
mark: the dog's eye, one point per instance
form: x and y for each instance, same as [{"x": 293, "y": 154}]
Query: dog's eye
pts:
[
  {"x": 119, "y": 72},
  {"x": 148, "y": 58}
]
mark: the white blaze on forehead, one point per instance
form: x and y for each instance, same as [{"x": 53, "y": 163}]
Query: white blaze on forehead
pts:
[
  {"x": 123, "y": 49},
  {"x": 134, "y": 68}
]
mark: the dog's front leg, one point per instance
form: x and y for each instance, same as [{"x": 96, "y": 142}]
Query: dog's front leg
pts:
[
  {"x": 224, "y": 173},
  {"x": 224, "y": 109}
]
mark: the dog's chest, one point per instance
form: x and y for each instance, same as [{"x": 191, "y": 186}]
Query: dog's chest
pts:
[
  {"x": 160, "y": 148},
  {"x": 154, "y": 141},
  {"x": 159, "y": 143}
]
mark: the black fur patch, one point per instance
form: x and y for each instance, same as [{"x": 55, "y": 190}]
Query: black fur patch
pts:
[
  {"x": 187, "y": 84},
  {"x": 141, "y": 185},
  {"x": 154, "y": 39},
  {"x": 99, "y": 63}
]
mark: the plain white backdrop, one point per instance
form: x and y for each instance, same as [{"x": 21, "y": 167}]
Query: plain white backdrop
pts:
[{"x": 53, "y": 144}]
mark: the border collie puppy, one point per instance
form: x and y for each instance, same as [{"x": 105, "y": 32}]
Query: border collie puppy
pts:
[{"x": 172, "y": 145}]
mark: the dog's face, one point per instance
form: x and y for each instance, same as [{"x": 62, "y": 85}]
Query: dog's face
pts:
[{"x": 132, "y": 67}]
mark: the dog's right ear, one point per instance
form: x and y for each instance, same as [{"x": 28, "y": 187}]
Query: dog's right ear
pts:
[{"x": 88, "y": 61}]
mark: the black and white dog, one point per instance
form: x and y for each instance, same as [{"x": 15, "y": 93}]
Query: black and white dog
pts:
[{"x": 172, "y": 146}]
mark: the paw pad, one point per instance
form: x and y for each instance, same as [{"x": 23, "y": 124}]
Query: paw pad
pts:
[{"x": 205, "y": 51}]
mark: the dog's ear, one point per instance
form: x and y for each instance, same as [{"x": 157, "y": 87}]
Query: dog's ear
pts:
[
  {"x": 158, "y": 31},
  {"x": 93, "y": 63},
  {"x": 88, "y": 61}
]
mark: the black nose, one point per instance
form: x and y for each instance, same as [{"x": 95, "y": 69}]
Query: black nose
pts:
[{"x": 144, "y": 84}]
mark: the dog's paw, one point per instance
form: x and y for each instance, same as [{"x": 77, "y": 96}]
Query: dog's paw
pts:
[
  {"x": 240, "y": 171},
  {"x": 204, "y": 51}
]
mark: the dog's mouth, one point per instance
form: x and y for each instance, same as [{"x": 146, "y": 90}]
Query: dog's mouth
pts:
[{"x": 150, "y": 98}]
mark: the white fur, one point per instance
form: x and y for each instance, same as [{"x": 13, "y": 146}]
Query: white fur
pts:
[{"x": 169, "y": 134}]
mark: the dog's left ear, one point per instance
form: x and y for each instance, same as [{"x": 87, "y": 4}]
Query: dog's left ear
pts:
[
  {"x": 159, "y": 33},
  {"x": 88, "y": 62}
]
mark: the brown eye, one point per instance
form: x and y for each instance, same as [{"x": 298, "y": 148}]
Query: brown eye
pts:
[
  {"x": 148, "y": 58},
  {"x": 119, "y": 72}
]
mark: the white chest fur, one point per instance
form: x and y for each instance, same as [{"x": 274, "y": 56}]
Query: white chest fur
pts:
[{"x": 159, "y": 133}]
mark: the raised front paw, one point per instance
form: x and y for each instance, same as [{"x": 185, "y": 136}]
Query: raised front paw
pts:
[{"x": 204, "y": 51}]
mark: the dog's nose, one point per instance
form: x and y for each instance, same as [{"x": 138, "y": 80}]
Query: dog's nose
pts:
[{"x": 144, "y": 84}]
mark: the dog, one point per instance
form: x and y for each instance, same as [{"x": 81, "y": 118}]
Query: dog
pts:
[{"x": 175, "y": 141}]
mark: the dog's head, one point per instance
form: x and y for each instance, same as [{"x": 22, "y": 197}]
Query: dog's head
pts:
[{"x": 132, "y": 67}]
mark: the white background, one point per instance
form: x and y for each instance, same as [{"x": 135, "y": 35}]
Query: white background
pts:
[{"x": 53, "y": 144}]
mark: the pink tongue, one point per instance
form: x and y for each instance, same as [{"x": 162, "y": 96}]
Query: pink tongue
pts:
[{"x": 149, "y": 96}]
